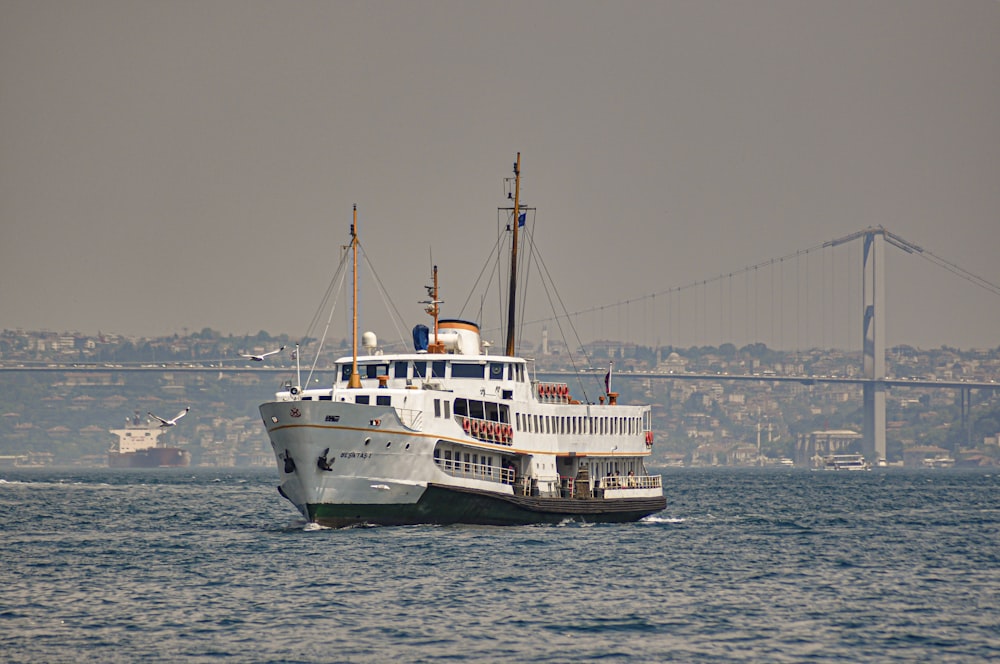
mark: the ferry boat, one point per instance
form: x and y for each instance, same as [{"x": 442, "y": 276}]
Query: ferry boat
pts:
[
  {"x": 137, "y": 446},
  {"x": 846, "y": 462},
  {"x": 449, "y": 434},
  {"x": 940, "y": 461}
]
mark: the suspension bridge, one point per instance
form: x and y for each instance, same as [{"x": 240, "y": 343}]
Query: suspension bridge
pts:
[{"x": 804, "y": 299}]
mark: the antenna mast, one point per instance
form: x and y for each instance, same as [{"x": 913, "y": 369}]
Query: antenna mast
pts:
[{"x": 511, "y": 306}]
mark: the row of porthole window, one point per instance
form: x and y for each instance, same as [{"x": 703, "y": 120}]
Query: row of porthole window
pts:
[{"x": 388, "y": 444}]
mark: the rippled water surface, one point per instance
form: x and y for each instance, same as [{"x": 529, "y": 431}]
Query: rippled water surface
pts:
[{"x": 749, "y": 565}]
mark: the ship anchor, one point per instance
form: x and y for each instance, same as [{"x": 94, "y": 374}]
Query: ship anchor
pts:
[{"x": 322, "y": 463}]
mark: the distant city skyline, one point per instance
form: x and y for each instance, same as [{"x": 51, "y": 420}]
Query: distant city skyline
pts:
[{"x": 169, "y": 167}]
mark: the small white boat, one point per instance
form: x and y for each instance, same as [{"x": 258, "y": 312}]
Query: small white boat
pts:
[
  {"x": 846, "y": 462},
  {"x": 939, "y": 462}
]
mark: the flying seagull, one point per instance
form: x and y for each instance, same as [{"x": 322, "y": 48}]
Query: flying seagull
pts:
[
  {"x": 173, "y": 422},
  {"x": 260, "y": 358}
]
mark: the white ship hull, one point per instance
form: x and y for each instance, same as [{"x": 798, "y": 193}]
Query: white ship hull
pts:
[{"x": 343, "y": 463}]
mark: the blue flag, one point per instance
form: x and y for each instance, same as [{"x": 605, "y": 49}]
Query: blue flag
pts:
[{"x": 521, "y": 218}]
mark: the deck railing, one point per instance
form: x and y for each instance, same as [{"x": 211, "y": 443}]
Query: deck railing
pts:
[
  {"x": 411, "y": 418},
  {"x": 476, "y": 471},
  {"x": 630, "y": 482}
]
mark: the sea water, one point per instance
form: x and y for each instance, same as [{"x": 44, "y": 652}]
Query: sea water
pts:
[{"x": 761, "y": 565}]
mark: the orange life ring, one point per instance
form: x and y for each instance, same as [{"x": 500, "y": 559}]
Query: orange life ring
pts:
[{"x": 465, "y": 424}]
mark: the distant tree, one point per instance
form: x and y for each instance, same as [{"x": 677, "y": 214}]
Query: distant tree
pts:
[
  {"x": 988, "y": 425},
  {"x": 695, "y": 403}
]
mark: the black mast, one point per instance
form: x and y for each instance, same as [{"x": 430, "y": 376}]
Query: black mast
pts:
[{"x": 513, "y": 257}]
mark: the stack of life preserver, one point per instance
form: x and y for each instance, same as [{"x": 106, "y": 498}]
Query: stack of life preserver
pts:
[
  {"x": 496, "y": 432},
  {"x": 553, "y": 392}
]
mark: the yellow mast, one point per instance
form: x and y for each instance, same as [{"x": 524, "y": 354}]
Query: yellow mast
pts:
[
  {"x": 434, "y": 310},
  {"x": 355, "y": 380},
  {"x": 511, "y": 305}
]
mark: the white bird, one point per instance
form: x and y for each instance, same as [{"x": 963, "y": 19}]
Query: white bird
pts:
[
  {"x": 173, "y": 422},
  {"x": 260, "y": 358}
]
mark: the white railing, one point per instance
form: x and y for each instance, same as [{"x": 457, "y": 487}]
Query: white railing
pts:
[
  {"x": 411, "y": 418},
  {"x": 630, "y": 482},
  {"x": 476, "y": 471}
]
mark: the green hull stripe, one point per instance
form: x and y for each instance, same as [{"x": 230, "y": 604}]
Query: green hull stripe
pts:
[{"x": 446, "y": 505}]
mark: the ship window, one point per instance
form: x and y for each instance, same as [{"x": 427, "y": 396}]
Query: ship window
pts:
[
  {"x": 462, "y": 407},
  {"x": 437, "y": 408},
  {"x": 361, "y": 398},
  {"x": 496, "y": 371},
  {"x": 399, "y": 369},
  {"x": 376, "y": 370},
  {"x": 437, "y": 369},
  {"x": 447, "y": 409},
  {"x": 466, "y": 370},
  {"x": 383, "y": 401},
  {"x": 345, "y": 372},
  {"x": 492, "y": 412},
  {"x": 326, "y": 397},
  {"x": 476, "y": 410},
  {"x": 420, "y": 369}
]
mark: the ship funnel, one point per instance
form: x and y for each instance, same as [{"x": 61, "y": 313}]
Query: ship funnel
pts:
[{"x": 459, "y": 336}]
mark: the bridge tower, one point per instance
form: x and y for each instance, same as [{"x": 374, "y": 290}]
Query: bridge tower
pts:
[{"x": 873, "y": 287}]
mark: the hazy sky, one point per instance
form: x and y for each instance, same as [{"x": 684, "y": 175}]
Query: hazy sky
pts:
[{"x": 169, "y": 166}]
